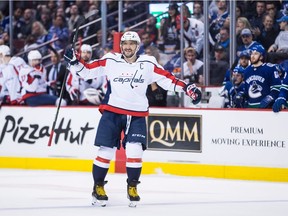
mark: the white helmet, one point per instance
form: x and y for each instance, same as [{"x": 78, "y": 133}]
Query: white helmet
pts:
[
  {"x": 132, "y": 36},
  {"x": 34, "y": 54},
  {"x": 94, "y": 96},
  {"x": 5, "y": 50},
  {"x": 86, "y": 48}
]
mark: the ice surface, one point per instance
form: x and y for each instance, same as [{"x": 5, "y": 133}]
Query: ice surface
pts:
[{"x": 53, "y": 193}]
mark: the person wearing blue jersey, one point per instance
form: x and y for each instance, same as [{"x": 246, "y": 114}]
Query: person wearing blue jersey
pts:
[
  {"x": 262, "y": 81},
  {"x": 233, "y": 87},
  {"x": 281, "y": 101}
]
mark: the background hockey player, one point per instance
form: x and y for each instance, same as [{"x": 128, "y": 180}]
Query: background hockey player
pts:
[
  {"x": 262, "y": 81},
  {"x": 233, "y": 87},
  {"x": 33, "y": 81},
  {"x": 9, "y": 83},
  {"x": 85, "y": 92},
  {"x": 281, "y": 101},
  {"x": 126, "y": 108}
]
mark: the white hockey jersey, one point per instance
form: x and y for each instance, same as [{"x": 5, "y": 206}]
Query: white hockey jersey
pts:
[
  {"x": 33, "y": 81},
  {"x": 77, "y": 82},
  {"x": 9, "y": 84},
  {"x": 17, "y": 62},
  {"x": 128, "y": 82}
]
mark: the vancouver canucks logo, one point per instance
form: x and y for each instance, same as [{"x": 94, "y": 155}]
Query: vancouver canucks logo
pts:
[{"x": 255, "y": 90}]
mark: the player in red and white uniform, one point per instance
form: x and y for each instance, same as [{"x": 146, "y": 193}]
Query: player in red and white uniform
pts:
[
  {"x": 125, "y": 109},
  {"x": 79, "y": 89},
  {"x": 33, "y": 81},
  {"x": 9, "y": 83}
]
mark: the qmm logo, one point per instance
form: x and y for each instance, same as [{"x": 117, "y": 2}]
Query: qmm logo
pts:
[{"x": 175, "y": 133}]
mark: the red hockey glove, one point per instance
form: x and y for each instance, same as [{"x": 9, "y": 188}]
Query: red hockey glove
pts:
[{"x": 193, "y": 92}]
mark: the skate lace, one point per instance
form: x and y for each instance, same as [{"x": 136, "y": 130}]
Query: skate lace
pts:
[
  {"x": 100, "y": 191},
  {"x": 132, "y": 191}
]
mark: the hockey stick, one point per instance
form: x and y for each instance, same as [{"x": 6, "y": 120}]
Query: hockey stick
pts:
[{"x": 80, "y": 21}]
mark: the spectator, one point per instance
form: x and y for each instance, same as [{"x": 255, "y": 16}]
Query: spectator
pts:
[
  {"x": 266, "y": 34},
  {"x": 145, "y": 42},
  {"x": 271, "y": 9},
  {"x": 198, "y": 11},
  {"x": 169, "y": 32},
  {"x": 27, "y": 19},
  {"x": 278, "y": 51},
  {"x": 261, "y": 81},
  {"x": 248, "y": 42},
  {"x": 193, "y": 33},
  {"x": 218, "y": 19},
  {"x": 150, "y": 28},
  {"x": 40, "y": 34},
  {"x": 92, "y": 28},
  {"x": 218, "y": 66},
  {"x": 192, "y": 68},
  {"x": 74, "y": 16},
  {"x": 242, "y": 22},
  {"x": 224, "y": 39},
  {"x": 76, "y": 85},
  {"x": 18, "y": 24},
  {"x": 33, "y": 82},
  {"x": 238, "y": 12},
  {"x": 155, "y": 94},
  {"x": 59, "y": 30},
  {"x": 256, "y": 20}
]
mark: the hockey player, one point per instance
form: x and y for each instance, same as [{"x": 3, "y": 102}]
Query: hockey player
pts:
[
  {"x": 77, "y": 86},
  {"x": 126, "y": 108},
  {"x": 233, "y": 87},
  {"x": 9, "y": 83},
  {"x": 16, "y": 61},
  {"x": 281, "y": 101},
  {"x": 262, "y": 81},
  {"x": 33, "y": 81}
]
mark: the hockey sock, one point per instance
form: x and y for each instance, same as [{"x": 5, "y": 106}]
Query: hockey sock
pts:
[
  {"x": 133, "y": 173},
  {"x": 99, "y": 173}
]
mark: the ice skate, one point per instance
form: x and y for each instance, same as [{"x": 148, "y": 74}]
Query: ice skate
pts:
[
  {"x": 132, "y": 193},
  {"x": 99, "y": 195}
]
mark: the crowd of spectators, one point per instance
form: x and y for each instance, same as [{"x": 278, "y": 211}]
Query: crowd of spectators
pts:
[{"x": 263, "y": 23}]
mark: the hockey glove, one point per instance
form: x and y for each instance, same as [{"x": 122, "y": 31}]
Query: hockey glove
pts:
[
  {"x": 193, "y": 92},
  {"x": 266, "y": 102},
  {"x": 238, "y": 100},
  {"x": 279, "y": 104},
  {"x": 74, "y": 93},
  {"x": 70, "y": 57}
]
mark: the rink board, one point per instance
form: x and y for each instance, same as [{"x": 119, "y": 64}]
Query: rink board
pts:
[{"x": 233, "y": 144}]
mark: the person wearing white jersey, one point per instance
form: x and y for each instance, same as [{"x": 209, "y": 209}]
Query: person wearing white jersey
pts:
[
  {"x": 33, "y": 81},
  {"x": 125, "y": 108},
  {"x": 9, "y": 83},
  {"x": 85, "y": 92}
]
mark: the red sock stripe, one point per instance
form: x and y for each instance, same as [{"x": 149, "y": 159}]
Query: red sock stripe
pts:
[
  {"x": 103, "y": 160},
  {"x": 134, "y": 160}
]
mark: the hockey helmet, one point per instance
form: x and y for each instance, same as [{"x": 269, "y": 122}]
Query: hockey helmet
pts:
[
  {"x": 86, "y": 48},
  {"x": 258, "y": 48},
  {"x": 245, "y": 53},
  {"x": 5, "y": 50},
  {"x": 132, "y": 36},
  {"x": 34, "y": 54},
  {"x": 239, "y": 70}
]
